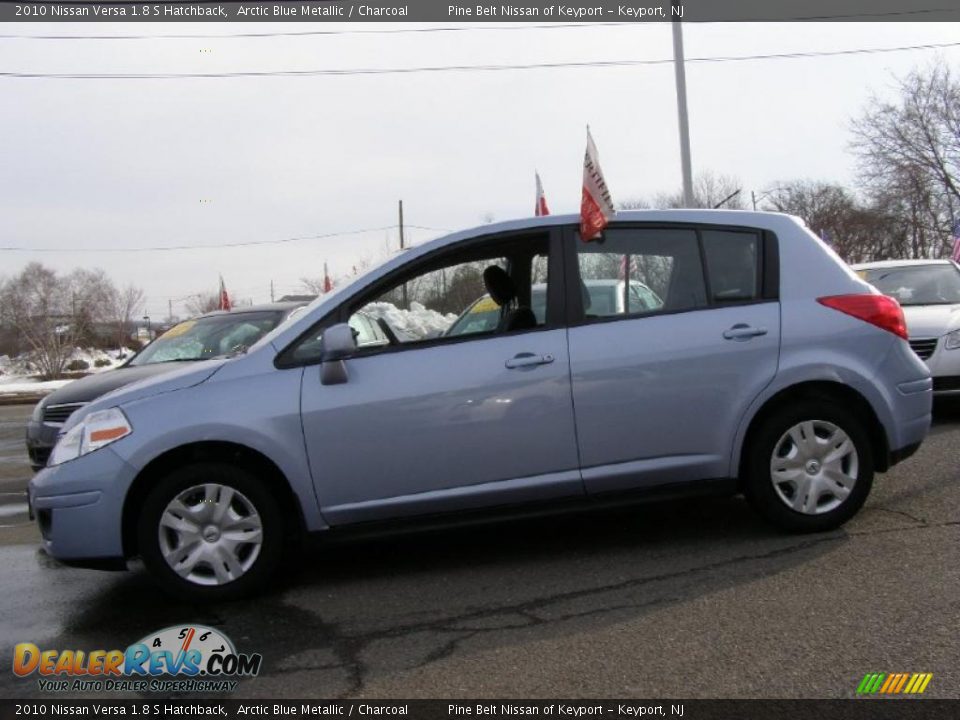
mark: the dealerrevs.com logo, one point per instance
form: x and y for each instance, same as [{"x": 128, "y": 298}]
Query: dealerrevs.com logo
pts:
[{"x": 191, "y": 658}]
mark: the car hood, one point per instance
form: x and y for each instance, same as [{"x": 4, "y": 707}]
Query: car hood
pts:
[
  {"x": 928, "y": 321},
  {"x": 93, "y": 386},
  {"x": 187, "y": 375}
]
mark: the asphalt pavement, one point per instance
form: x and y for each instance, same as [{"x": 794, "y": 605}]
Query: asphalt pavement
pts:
[{"x": 680, "y": 600}]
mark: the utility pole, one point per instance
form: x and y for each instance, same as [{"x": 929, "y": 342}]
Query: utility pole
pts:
[
  {"x": 271, "y": 291},
  {"x": 170, "y": 310},
  {"x": 403, "y": 289},
  {"x": 681, "y": 78}
]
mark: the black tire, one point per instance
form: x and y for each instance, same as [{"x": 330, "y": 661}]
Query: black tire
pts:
[
  {"x": 254, "y": 490},
  {"x": 759, "y": 487}
]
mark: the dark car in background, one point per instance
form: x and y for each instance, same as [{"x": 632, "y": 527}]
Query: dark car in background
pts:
[{"x": 212, "y": 335}]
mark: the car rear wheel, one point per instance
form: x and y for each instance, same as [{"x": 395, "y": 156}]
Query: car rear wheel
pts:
[
  {"x": 810, "y": 467},
  {"x": 211, "y": 531}
]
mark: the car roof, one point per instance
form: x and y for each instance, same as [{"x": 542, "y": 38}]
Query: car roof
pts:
[
  {"x": 899, "y": 263},
  {"x": 265, "y": 307},
  {"x": 688, "y": 215}
]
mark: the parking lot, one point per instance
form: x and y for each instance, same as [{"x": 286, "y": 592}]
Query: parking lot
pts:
[{"x": 683, "y": 600}]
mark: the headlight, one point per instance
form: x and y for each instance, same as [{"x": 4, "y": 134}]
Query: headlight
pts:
[
  {"x": 38, "y": 411},
  {"x": 953, "y": 340},
  {"x": 95, "y": 431}
]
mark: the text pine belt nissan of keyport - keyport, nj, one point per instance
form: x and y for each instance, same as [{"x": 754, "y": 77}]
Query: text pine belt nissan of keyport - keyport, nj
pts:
[{"x": 752, "y": 361}]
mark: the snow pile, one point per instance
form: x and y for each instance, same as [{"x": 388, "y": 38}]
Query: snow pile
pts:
[
  {"x": 418, "y": 322},
  {"x": 20, "y": 374},
  {"x": 96, "y": 360},
  {"x": 20, "y": 385}
]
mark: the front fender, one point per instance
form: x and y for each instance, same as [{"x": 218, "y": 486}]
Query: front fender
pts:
[{"x": 262, "y": 415}]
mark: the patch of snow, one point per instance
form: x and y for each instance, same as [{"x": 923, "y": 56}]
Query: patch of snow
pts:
[
  {"x": 418, "y": 322},
  {"x": 16, "y": 384},
  {"x": 19, "y": 374}
]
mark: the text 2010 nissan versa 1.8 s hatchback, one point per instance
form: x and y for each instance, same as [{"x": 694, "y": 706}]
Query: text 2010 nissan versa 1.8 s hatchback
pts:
[{"x": 770, "y": 369}]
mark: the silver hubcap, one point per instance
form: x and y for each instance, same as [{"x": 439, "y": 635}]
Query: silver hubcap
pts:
[
  {"x": 210, "y": 534},
  {"x": 814, "y": 467}
]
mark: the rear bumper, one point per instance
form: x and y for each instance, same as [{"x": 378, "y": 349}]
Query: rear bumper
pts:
[
  {"x": 912, "y": 407},
  {"x": 898, "y": 456}
]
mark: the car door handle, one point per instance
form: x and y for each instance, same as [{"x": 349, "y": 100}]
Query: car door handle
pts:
[
  {"x": 528, "y": 360},
  {"x": 742, "y": 331}
]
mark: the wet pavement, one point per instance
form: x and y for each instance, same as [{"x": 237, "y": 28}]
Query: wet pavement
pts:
[{"x": 694, "y": 599}]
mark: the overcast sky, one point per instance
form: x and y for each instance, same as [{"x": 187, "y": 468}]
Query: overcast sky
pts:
[{"x": 92, "y": 164}]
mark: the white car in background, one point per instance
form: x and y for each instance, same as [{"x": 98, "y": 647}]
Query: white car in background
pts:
[{"x": 929, "y": 292}]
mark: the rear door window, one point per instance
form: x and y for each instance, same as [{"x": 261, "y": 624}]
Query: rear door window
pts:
[
  {"x": 639, "y": 271},
  {"x": 733, "y": 265}
]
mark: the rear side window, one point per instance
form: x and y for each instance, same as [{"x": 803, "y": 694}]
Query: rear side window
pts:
[
  {"x": 641, "y": 271},
  {"x": 733, "y": 265}
]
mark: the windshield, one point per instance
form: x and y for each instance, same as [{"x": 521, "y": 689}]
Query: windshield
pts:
[
  {"x": 917, "y": 284},
  {"x": 209, "y": 337}
]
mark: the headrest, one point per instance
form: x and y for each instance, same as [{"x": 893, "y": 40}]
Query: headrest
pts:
[{"x": 499, "y": 285}]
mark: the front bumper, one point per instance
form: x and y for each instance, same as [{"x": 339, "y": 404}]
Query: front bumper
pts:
[
  {"x": 79, "y": 508},
  {"x": 945, "y": 367},
  {"x": 41, "y": 437}
]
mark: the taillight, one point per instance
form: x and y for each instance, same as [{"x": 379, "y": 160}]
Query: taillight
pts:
[{"x": 879, "y": 310}]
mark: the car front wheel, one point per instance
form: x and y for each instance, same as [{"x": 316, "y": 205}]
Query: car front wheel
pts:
[
  {"x": 211, "y": 531},
  {"x": 810, "y": 467}
]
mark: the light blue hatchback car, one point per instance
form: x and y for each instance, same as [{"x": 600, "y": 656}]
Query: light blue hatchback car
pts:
[{"x": 768, "y": 368}]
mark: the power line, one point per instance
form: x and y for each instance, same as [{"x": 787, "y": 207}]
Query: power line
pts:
[
  {"x": 470, "y": 68},
  {"x": 449, "y": 29},
  {"x": 164, "y": 248}
]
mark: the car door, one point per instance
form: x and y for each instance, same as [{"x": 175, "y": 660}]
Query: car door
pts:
[
  {"x": 443, "y": 423},
  {"x": 659, "y": 391}
]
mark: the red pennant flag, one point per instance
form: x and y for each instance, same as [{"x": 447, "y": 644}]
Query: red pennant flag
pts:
[
  {"x": 327, "y": 282},
  {"x": 541, "y": 208},
  {"x": 956, "y": 242},
  {"x": 224, "y": 303},
  {"x": 596, "y": 206}
]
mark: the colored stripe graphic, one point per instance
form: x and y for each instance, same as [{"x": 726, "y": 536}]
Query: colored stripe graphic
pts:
[
  {"x": 894, "y": 683},
  {"x": 920, "y": 687}
]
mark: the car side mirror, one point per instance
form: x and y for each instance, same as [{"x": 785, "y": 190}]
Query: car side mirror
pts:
[{"x": 338, "y": 344}]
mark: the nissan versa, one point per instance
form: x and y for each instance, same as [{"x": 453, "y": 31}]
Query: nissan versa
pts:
[{"x": 768, "y": 368}]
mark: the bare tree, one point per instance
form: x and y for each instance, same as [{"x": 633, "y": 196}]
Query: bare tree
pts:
[
  {"x": 91, "y": 300},
  {"x": 709, "y": 190},
  {"x": 202, "y": 303},
  {"x": 314, "y": 285},
  {"x": 909, "y": 155},
  {"x": 858, "y": 230},
  {"x": 126, "y": 303},
  {"x": 52, "y": 313}
]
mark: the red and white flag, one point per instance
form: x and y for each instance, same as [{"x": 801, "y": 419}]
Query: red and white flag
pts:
[
  {"x": 596, "y": 206},
  {"x": 224, "y": 302},
  {"x": 956, "y": 242},
  {"x": 327, "y": 282},
  {"x": 541, "y": 208}
]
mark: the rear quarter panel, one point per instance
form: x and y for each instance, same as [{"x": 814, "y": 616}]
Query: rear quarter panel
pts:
[{"x": 822, "y": 344}]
